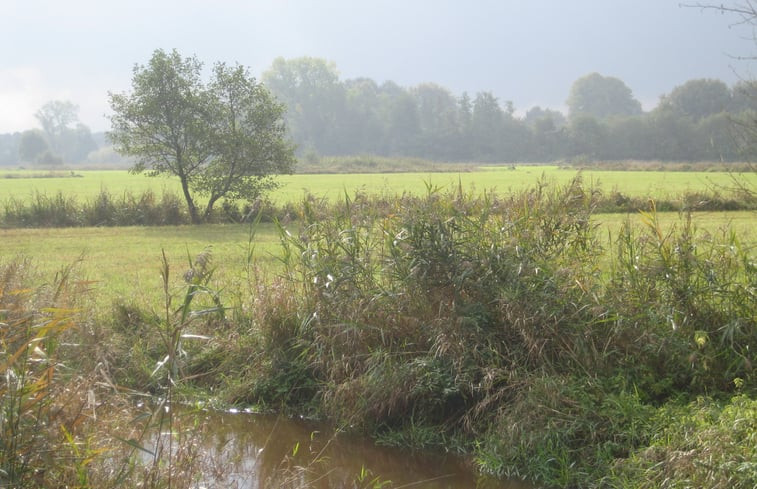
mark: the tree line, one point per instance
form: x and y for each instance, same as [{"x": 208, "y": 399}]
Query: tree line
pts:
[
  {"x": 700, "y": 120},
  {"x": 696, "y": 121}
]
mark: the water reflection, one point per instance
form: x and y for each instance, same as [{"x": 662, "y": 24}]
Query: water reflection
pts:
[{"x": 254, "y": 451}]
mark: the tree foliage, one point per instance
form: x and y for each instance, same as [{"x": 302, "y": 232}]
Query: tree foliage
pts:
[
  {"x": 698, "y": 98},
  {"x": 311, "y": 90},
  {"x": 429, "y": 121},
  {"x": 601, "y": 97},
  {"x": 224, "y": 138},
  {"x": 700, "y": 120}
]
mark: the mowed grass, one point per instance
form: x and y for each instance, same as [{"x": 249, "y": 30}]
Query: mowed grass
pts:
[
  {"x": 126, "y": 261},
  {"x": 649, "y": 184},
  {"x": 23, "y": 184}
]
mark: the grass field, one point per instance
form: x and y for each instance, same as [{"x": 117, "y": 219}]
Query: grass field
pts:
[
  {"x": 125, "y": 261},
  {"x": 648, "y": 184}
]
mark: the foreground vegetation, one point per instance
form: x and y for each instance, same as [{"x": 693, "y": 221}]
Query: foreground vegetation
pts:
[{"x": 501, "y": 326}]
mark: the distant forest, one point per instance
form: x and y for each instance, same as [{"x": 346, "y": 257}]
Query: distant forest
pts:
[{"x": 700, "y": 120}]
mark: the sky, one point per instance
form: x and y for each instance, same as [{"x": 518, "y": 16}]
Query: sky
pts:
[{"x": 526, "y": 51}]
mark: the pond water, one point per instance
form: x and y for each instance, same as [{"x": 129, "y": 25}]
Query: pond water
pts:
[{"x": 254, "y": 451}]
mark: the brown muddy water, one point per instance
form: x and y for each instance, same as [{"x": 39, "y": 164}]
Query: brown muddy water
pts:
[{"x": 254, "y": 451}]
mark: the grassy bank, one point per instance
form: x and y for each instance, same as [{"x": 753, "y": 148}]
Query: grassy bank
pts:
[{"x": 507, "y": 327}]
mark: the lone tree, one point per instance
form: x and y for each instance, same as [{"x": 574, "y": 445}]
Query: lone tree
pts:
[{"x": 224, "y": 139}]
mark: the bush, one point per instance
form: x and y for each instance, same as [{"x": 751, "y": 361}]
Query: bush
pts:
[{"x": 391, "y": 300}]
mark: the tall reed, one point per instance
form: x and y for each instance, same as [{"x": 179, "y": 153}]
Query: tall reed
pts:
[
  {"x": 461, "y": 316},
  {"x": 32, "y": 414}
]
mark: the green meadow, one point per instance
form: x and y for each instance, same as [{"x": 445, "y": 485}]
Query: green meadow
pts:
[
  {"x": 122, "y": 261},
  {"x": 125, "y": 261},
  {"x": 20, "y": 184}
]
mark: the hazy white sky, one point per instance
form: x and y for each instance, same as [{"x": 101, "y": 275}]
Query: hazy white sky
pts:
[{"x": 526, "y": 51}]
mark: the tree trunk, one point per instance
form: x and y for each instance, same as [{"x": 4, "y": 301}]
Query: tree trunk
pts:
[
  {"x": 209, "y": 208},
  {"x": 193, "y": 215}
]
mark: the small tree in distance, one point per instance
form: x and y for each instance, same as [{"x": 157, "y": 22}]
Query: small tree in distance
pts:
[{"x": 222, "y": 139}]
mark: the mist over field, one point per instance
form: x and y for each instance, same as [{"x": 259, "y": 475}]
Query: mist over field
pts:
[{"x": 528, "y": 53}]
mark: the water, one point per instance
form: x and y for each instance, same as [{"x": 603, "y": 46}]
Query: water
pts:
[{"x": 254, "y": 451}]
